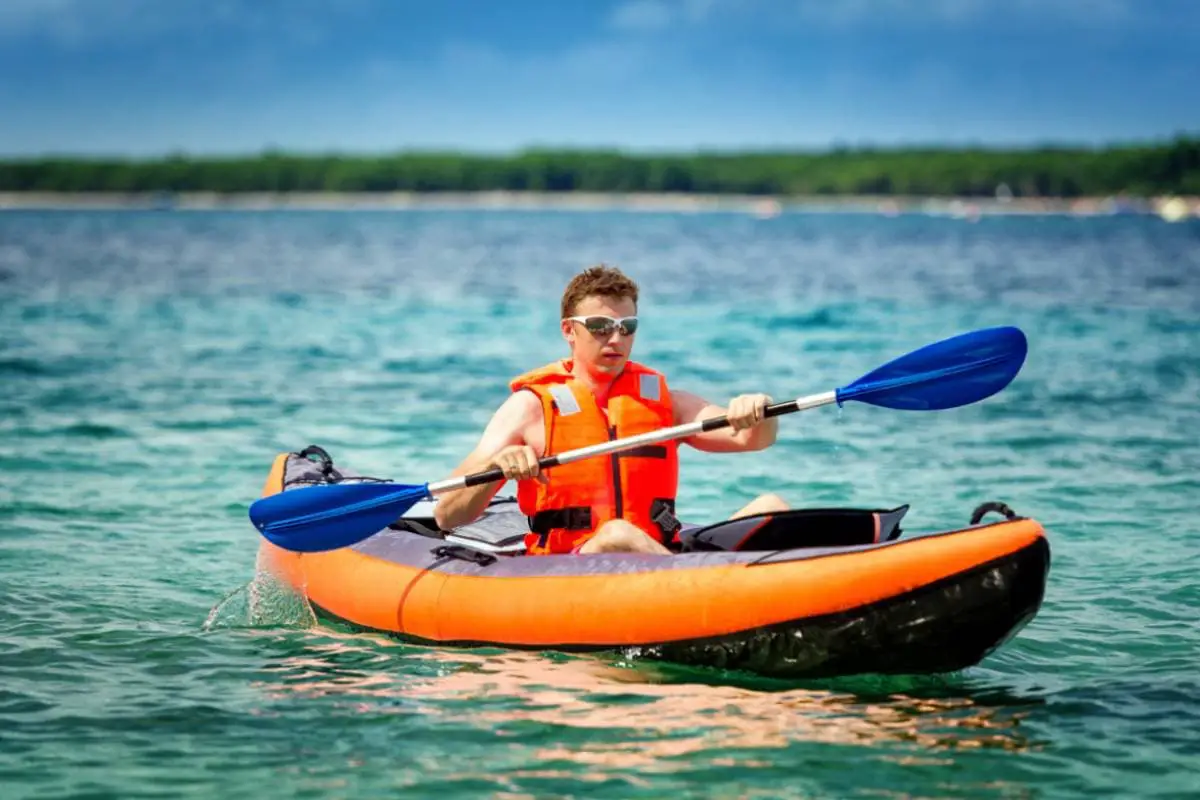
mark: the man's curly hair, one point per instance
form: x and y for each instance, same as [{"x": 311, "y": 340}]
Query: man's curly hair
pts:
[{"x": 600, "y": 280}]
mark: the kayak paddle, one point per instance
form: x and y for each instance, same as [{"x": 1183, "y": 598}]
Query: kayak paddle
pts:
[{"x": 953, "y": 372}]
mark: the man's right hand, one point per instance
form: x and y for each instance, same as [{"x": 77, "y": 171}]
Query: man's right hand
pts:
[{"x": 518, "y": 462}]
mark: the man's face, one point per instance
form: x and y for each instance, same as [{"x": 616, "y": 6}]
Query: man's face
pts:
[{"x": 601, "y": 355}]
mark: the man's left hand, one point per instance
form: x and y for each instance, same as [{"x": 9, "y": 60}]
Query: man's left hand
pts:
[{"x": 747, "y": 410}]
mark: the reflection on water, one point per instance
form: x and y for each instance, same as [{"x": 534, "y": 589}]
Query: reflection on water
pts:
[
  {"x": 529, "y": 724},
  {"x": 506, "y": 692}
]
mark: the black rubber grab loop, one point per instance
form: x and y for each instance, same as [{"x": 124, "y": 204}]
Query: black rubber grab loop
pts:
[
  {"x": 999, "y": 508},
  {"x": 465, "y": 553},
  {"x": 322, "y": 457}
]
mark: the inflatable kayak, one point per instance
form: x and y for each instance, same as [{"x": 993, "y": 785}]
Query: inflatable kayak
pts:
[{"x": 802, "y": 593}]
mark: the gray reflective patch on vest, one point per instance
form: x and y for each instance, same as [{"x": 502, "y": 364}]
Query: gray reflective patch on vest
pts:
[
  {"x": 564, "y": 400},
  {"x": 650, "y": 387}
]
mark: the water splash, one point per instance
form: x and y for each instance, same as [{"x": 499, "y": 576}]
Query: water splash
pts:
[{"x": 264, "y": 602}]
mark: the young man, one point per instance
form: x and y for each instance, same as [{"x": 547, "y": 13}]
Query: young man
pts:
[{"x": 621, "y": 502}]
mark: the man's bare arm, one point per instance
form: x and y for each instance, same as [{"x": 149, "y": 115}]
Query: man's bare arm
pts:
[
  {"x": 756, "y": 436},
  {"x": 506, "y": 429}
]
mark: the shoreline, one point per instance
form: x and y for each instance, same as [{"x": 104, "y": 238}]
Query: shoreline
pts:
[{"x": 757, "y": 205}]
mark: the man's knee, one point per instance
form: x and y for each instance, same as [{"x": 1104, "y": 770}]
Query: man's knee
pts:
[
  {"x": 618, "y": 532},
  {"x": 619, "y": 536},
  {"x": 763, "y": 504},
  {"x": 771, "y": 502}
]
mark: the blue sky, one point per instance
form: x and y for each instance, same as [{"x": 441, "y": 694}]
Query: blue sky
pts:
[{"x": 146, "y": 77}]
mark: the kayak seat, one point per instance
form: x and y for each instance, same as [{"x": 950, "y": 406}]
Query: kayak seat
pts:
[
  {"x": 797, "y": 528},
  {"x": 502, "y": 529}
]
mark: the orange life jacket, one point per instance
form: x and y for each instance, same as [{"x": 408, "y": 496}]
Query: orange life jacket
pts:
[{"x": 636, "y": 485}]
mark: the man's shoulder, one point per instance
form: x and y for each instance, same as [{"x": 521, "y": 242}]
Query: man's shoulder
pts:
[
  {"x": 513, "y": 420},
  {"x": 524, "y": 418},
  {"x": 522, "y": 402}
]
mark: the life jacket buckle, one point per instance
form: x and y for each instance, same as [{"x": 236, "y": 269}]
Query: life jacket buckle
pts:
[{"x": 662, "y": 514}]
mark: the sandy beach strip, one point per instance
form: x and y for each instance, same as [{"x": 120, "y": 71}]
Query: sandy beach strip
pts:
[{"x": 761, "y": 206}]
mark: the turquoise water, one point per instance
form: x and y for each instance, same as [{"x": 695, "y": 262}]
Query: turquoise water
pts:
[{"x": 152, "y": 365}]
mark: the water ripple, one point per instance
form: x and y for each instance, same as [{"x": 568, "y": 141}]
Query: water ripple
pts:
[{"x": 153, "y": 364}]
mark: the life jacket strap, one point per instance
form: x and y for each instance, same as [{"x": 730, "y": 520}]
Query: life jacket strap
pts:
[
  {"x": 572, "y": 518},
  {"x": 579, "y": 518},
  {"x": 644, "y": 451}
]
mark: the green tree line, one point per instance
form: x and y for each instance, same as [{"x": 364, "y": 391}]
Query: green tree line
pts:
[{"x": 1171, "y": 167}]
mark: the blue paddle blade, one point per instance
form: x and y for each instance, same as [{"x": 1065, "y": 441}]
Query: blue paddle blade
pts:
[
  {"x": 953, "y": 372},
  {"x": 330, "y": 516}
]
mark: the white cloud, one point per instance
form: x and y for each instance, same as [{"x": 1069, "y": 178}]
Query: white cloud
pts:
[
  {"x": 24, "y": 15},
  {"x": 639, "y": 15},
  {"x": 76, "y": 21},
  {"x": 80, "y": 22},
  {"x": 652, "y": 15},
  {"x": 660, "y": 15},
  {"x": 962, "y": 11},
  {"x": 604, "y": 59}
]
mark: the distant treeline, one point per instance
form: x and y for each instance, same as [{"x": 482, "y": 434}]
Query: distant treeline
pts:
[{"x": 1143, "y": 170}]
